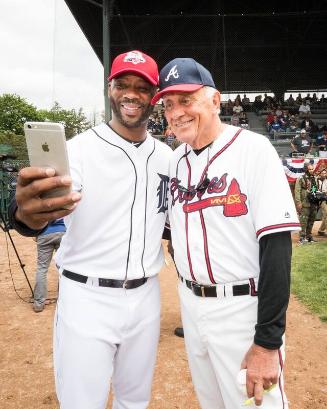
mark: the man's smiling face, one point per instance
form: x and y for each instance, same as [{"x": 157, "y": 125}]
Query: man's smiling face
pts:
[
  {"x": 130, "y": 97},
  {"x": 190, "y": 115}
]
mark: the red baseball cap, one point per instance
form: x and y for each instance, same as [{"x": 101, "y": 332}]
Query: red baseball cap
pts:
[{"x": 135, "y": 62}]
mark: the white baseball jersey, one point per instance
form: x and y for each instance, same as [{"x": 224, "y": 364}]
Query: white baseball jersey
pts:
[
  {"x": 216, "y": 226},
  {"x": 115, "y": 231}
]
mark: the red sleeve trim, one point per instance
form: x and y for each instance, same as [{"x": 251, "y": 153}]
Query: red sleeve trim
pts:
[{"x": 277, "y": 226}]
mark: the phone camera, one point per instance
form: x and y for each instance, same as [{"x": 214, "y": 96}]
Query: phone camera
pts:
[{"x": 29, "y": 126}]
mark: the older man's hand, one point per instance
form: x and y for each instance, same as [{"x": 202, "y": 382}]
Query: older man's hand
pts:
[{"x": 262, "y": 371}]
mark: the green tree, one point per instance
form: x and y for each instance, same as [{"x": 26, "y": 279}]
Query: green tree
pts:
[
  {"x": 17, "y": 142},
  {"x": 74, "y": 121},
  {"x": 14, "y": 111}
]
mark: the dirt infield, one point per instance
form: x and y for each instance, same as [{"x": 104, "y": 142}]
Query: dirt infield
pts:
[{"x": 26, "y": 380}]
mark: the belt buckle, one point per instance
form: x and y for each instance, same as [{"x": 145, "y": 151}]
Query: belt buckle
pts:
[
  {"x": 202, "y": 291},
  {"x": 125, "y": 284}
]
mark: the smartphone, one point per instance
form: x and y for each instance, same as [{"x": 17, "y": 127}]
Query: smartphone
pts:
[{"x": 46, "y": 146}]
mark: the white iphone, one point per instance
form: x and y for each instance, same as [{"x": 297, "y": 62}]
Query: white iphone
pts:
[{"x": 46, "y": 146}]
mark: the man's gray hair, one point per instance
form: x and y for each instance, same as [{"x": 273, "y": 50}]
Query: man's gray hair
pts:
[{"x": 210, "y": 91}]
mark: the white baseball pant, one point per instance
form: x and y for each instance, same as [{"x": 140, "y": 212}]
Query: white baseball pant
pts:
[
  {"x": 105, "y": 335},
  {"x": 218, "y": 332}
]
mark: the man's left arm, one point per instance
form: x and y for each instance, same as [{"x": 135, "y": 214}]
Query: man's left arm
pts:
[{"x": 262, "y": 359}]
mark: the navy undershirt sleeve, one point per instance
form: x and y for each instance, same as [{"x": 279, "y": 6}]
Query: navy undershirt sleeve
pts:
[
  {"x": 273, "y": 288},
  {"x": 21, "y": 228}
]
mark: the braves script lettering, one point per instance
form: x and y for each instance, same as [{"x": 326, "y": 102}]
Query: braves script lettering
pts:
[{"x": 233, "y": 202}]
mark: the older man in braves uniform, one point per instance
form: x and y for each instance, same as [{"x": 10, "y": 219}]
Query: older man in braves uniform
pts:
[
  {"x": 108, "y": 312},
  {"x": 231, "y": 214}
]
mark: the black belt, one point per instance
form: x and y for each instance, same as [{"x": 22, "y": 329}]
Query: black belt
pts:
[
  {"x": 107, "y": 282},
  {"x": 211, "y": 290}
]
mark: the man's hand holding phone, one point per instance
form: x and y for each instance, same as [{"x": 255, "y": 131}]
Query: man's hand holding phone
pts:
[{"x": 35, "y": 210}]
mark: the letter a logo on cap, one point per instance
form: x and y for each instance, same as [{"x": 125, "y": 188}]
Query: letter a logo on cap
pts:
[{"x": 173, "y": 72}]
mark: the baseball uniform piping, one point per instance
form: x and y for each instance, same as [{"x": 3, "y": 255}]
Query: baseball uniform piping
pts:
[
  {"x": 218, "y": 153},
  {"x": 206, "y": 251},
  {"x": 131, "y": 224},
  {"x": 146, "y": 201},
  {"x": 277, "y": 226},
  {"x": 186, "y": 217}
]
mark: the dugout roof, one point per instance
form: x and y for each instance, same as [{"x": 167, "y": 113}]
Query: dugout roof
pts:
[{"x": 252, "y": 45}]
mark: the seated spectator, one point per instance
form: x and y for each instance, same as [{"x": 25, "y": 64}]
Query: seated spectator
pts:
[
  {"x": 243, "y": 121},
  {"x": 151, "y": 123},
  {"x": 314, "y": 99},
  {"x": 321, "y": 141},
  {"x": 302, "y": 143},
  {"x": 304, "y": 109},
  {"x": 308, "y": 125},
  {"x": 308, "y": 99},
  {"x": 267, "y": 100},
  {"x": 323, "y": 100},
  {"x": 258, "y": 104},
  {"x": 270, "y": 118},
  {"x": 279, "y": 111},
  {"x": 274, "y": 127},
  {"x": 157, "y": 128},
  {"x": 229, "y": 107},
  {"x": 246, "y": 103},
  {"x": 284, "y": 120},
  {"x": 237, "y": 108},
  {"x": 235, "y": 119},
  {"x": 290, "y": 101},
  {"x": 238, "y": 98},
  {"x": 298, "y": 99},
  {"x": 293, "y": 124},
  {"x": 170, "y": 137}
]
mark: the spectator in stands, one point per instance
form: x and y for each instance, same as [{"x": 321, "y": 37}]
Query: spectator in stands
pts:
[
  {"x": 238, "y": 98},
  {"x": 308, "y": 99},
  {"x": 157, "y": 128},
  {"x": 298, "y": 99},
  {"x": 304, "y": 109},
  {"x": 322, "y": 188},
  {"x": 314, "y": 99},
  {"x": 321, "y": 141},
  {"x": 235, "y": 119},
  {"x": 246, "y": 103},
  {"x": 302, "y": 143},
  {"x": 243, "y": 121},
  {"x": 237, "y": 108},
  {"x": 290, "y": 101},
  {"x": 284, "y": 120},
  {"x": 270, "y": 118},
  {"x": 308, "y": 125},
  {"x": 151, "y": 124},
  {"x": 170, "y": 136},
  {"x": 279, "y": 111},
  {"x": 307, "y": 211},
  {"x": 293, "y": 124},
  {"x": 267, "y": 100},
  {"x": 229, "y": 107},
  {"x": 323, "y": 100},
  {"x": 258, "y": 104},
  {"x": 274, "y": 127}
]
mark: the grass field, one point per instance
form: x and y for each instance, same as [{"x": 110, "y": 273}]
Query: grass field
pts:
[{"x": 309, "y": 277}]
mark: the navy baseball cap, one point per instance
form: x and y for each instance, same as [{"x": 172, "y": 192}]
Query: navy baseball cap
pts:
[{"x": 183, "y": 75}]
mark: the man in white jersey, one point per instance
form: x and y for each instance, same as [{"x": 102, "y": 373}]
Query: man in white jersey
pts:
[
  {"x": 231, "y": 213},
  {"x": 108, "y": 312}
]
